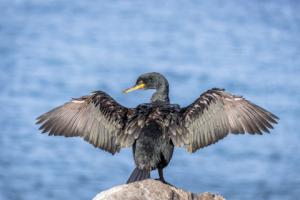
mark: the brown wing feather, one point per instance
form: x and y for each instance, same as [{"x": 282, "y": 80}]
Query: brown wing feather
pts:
[
  {"x": 217, "y": 113},
  {"x": 97, "y": 118}
]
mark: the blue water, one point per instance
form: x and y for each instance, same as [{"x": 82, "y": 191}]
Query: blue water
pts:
[{"x": 52, "y": 50}]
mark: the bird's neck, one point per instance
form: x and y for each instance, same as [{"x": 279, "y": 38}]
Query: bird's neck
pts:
[{"x": 161, "y": 94}]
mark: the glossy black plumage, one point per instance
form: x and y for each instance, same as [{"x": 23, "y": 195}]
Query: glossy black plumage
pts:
[{"x": 153, "y": 129}]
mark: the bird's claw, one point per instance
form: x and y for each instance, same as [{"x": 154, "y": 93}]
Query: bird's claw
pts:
[{"x": 165, "y": 182}]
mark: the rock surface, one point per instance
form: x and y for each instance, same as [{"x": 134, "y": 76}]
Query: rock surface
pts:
[{"x": 152, "y": 190}]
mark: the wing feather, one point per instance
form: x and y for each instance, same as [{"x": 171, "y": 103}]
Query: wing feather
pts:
[
  {"x": 97, "y": 118},
  {"x": 217, "y": 113}
]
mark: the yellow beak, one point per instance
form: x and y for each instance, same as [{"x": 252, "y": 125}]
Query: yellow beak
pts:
[{"x": 136, "y": 87}]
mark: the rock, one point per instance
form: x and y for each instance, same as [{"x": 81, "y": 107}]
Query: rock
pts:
[{"x": 152, "y": 190}]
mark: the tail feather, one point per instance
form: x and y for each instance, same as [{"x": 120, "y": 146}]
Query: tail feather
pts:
[{"x": 138, "y": 175}]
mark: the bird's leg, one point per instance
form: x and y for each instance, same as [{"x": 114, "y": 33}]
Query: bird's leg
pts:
[{"x": 161, "y": 176}]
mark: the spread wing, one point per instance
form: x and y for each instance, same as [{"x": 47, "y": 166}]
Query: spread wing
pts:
[
  {"x": 217, "y": 113},
  {"x": 97, "y": 118}
]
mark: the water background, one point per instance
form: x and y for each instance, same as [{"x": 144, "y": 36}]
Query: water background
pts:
[{"x": 51, "y": 50}]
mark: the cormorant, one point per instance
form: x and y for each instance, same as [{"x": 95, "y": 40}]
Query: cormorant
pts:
[{"x": 153, "y": 129}]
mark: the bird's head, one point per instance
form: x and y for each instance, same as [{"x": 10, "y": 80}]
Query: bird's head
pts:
[{"x": 151, "y": 80}]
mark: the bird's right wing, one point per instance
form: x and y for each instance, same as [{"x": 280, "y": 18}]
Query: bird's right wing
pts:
[
  {"x": 217, "y": 113},
  {"x": 97, "y": 118}
]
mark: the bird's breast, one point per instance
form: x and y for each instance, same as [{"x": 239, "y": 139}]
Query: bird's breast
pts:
[{"x": 153, "y": 118}]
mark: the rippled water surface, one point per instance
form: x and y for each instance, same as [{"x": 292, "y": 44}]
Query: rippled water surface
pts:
[{"x": 52, "y": 50}]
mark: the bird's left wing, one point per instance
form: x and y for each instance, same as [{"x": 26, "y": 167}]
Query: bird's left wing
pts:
[
  {"x": 97, "y": 118},
  {"x": 217, "y": 113}
]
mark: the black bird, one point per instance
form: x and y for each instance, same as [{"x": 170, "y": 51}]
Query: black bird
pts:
[{"x": 153, "y": 129}]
